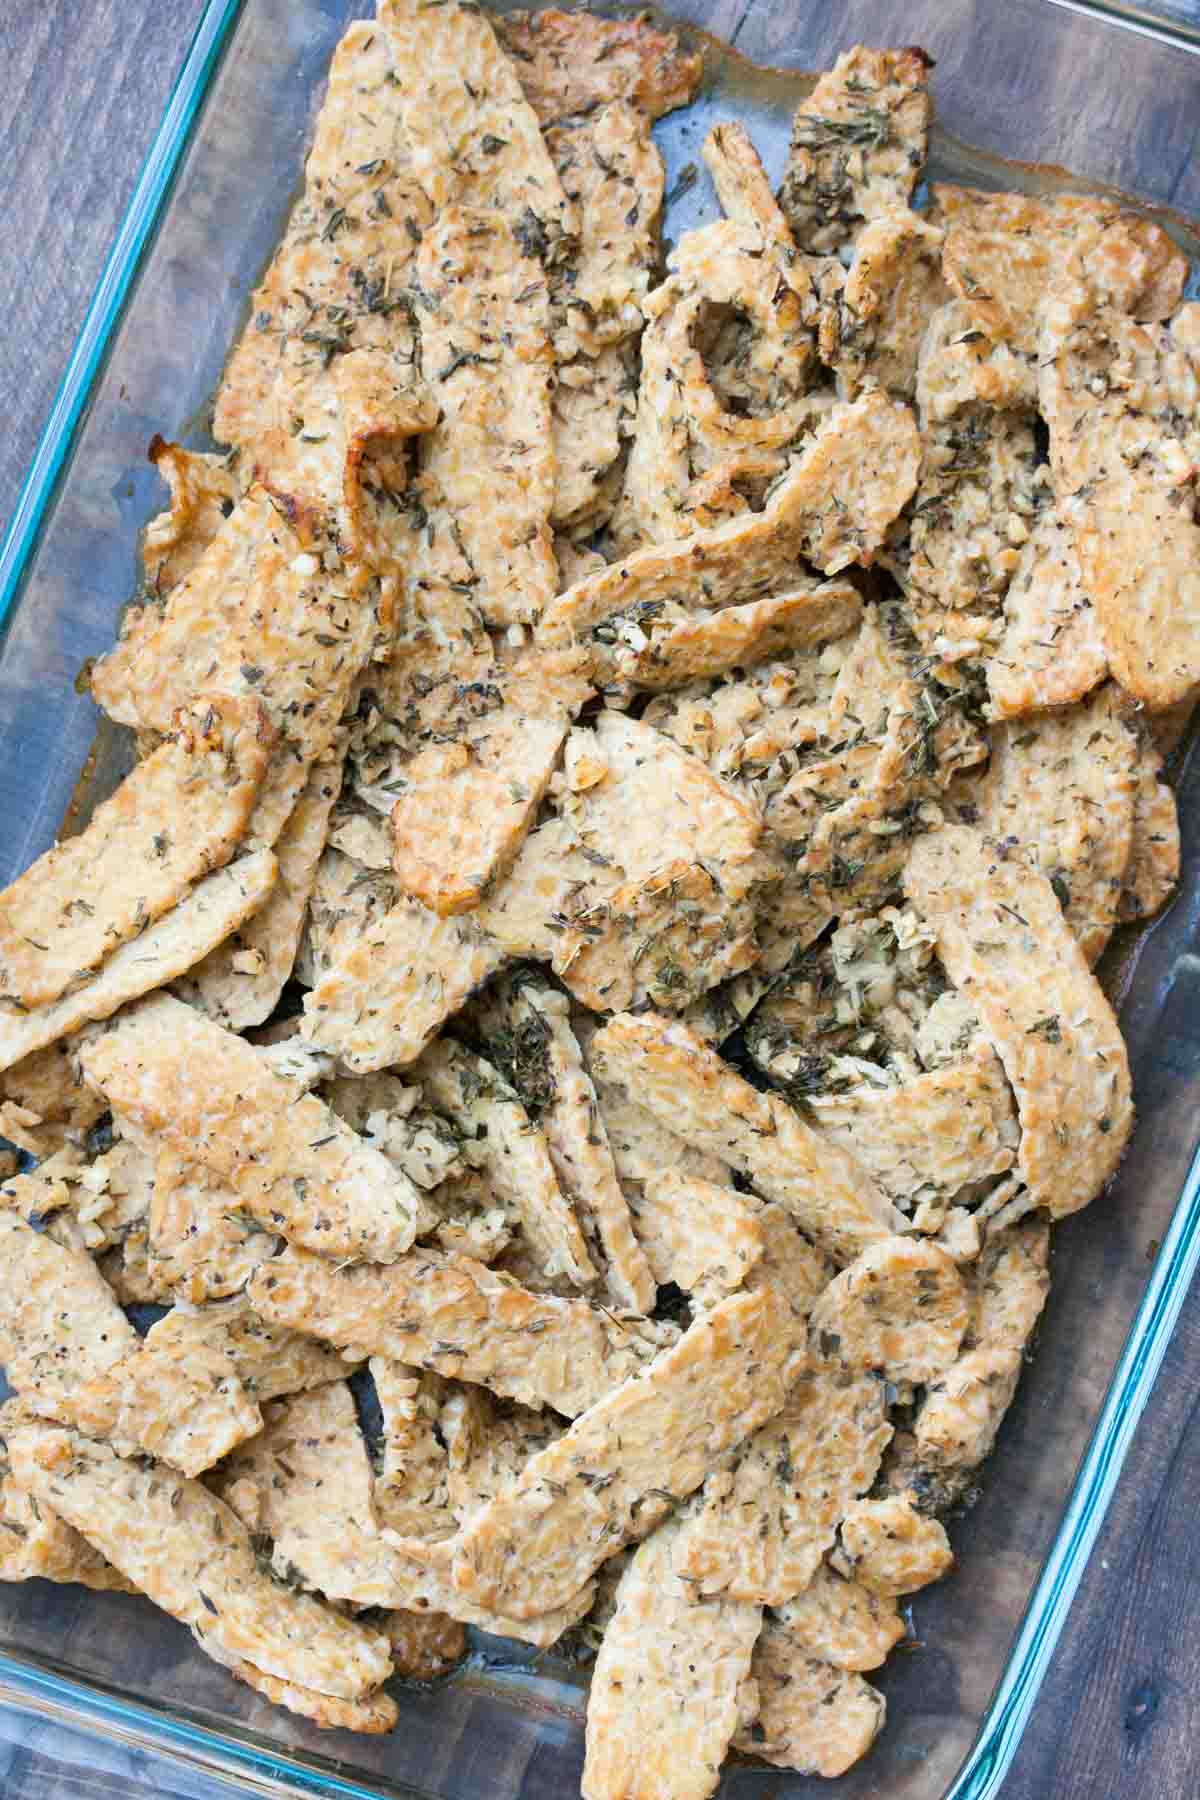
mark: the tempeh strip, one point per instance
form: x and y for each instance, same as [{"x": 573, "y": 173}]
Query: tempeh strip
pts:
[
  {"x": 811, "y": 1717},
  {"x": 59, "y": 1321},
  {"x": 704, "y": 1238},
  {"x": 181, "y": 938},
  {"x": 192, "y": 1555},
  {"x": 177, "y": 817},
  {"x": 460, "y": 1318},
  {"x": 293, "y": 1164},
  {"x": 183, "y": 1404},
  {"x": 623, "y": 1465},
  {"x": 1005, "y": 944},
  {"x": 570, "y": 62},
  {"x": 687, "y": 1085},
  {"x": 664, "y": 1697}
]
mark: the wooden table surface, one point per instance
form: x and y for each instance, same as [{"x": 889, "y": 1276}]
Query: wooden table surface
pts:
[{"x": 82, "y": 86}]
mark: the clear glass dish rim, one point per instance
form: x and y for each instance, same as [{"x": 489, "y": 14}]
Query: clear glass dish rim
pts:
[{"x": 79, "y": 1704}]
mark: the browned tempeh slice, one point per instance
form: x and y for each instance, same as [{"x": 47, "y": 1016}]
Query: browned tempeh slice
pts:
[
  {"x": 181, "y": 1403},
  {"x": 322, "y": 1525},
  {"x": 486, "y": 354},
  {"x": 742, "y": 185},
  {"x": 1122, "y": 401},
  {"x": 460, "y": 1318},
  {"x": 858, "y": 145},
  {"x": 570, "y": 62},
  {"x": 409, "y": 1492},
  {"x": 192, "y": 1555},
  {"x": 666, "y": 646},
  {"x": 931, "y": 1136},
  {"x": 530, "y": 1033},
  {"x": 841, "y": 1622},
  {"x": 705, "y": 1238},
  {"x": 686, "y": 1084},
  {"x": 180, "y": 939},
  {"x": 472, "y": 791},
  {"x": 59, "y": 1322},
  {"x": 371, "y": 1713},
  {"x": 1050, "y": 651},
  {"x": 176, "y": 818},
  {"x": 472, "y": 135},
  {"x": 292, "y": 1163},
  {"x": 1007, "y": 947},
  {"x": 204, "y": 491},
  {"x": 892, "y": 290},
  {"x": 900, "y": 1310},
  {"x": 240, "y": 984},
  {"x": 891, "y": 1548},
  {"x": 200, "y": 1245},
  {"x": 664, "y": 1698},
  {"x": 389, "y": 989},
  {"x": 1060, "y": 792},
  {"x": 424, "y": 1644},
  {"x": 1152, "y": 873},
  {"x": 267, "y": 613},
  {"x": 769, "y": 1513},
  {"x": 834, "y": 506},
  {"x": 499, "y": 1138},
  {"x": 812, "y": 1717},
  {"x": 622, "y": 1466}
]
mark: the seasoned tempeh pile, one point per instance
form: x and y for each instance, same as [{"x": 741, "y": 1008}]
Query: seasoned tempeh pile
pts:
[{"x": 582, "y": 1013}]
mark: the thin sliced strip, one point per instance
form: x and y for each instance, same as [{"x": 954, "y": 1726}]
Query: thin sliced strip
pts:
[
  {"x": 667, "y": 1069},
  {"x": 892, "y": 1548},
  {"x": 292, "y": 1163},
  {"x": 664, "y": 1697},
  {"x": 409, "y": 1492},
  {"x": 181, "y": 1403},
  {"x": 841, "y": 1622},
  {"x": 899, "y": 1310},
  {"x": 36, "y": 1544},
  {"x": 1006, "y": 946},
  {"x": 703, "y": 1237},
  {"x": 1050, "y": 651},
  {"x": 455, "y": 1316},
  {"x": 270, "y": 1360},
  {"x": 812, "y": 1717},
  {"x": 1152, "y": 872},
  {"x": 373, "y": 1713},
  {"x": 570, "y": 62},
  {"x": 390, "y": 988},
  {"x": 200, "y": 1245},
  {"x": 59, "y": 1321},
  {"x": 193, "y": 1556},
  {"x": 742, "y": 185},
  {"x": 766, "y": 1517},
  {"x": 239, "y": 984},
  {"x": 834, "y": 506},
  {"x": 203, "y": 493},
  {"x": 177, "y": 817},
  {"x": 622, "y": 1466}
]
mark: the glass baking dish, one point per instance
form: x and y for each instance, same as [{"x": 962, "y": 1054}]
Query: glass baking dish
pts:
[{"x": 1096, "y": 90}]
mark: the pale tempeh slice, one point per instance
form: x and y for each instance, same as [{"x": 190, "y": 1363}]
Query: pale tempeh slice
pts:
[
  {"x": 409, "y": 1492},
  {"x": 892, "y": 290},
  {"x": 176, "y": 818},
  {"x": 292, "y": 1163},
  {"x": 59, "y": 1321},
  {"x": 686, "y": 1084},
  {"x": 486, "y": 354},
  {"x": 834, "y": 505},
  {"x": 841, "y": 1622},
  {"x": 501, "y": 1140},
  {"x": 183, "y": 1404},
  {"x": 203, "y": 493},
  {"x": 900, "y": 1310},
  {"x": 200, "y": 1244},
  {"x": 35, "y": 1542},
  {"x": 928, "y": 1137},
  {"x": 742, "y": 185},
  {"x": 769, "y": 1513},
  {"x": 322, "y": 1525},
  {"x": 239, "y": 984},
  {"x": 592, "y": 407},
  {"x": 375, "y": 1713},
  {"x": 891, "y": 1548},
  {"x": 1060, "y": 792},
  {"x": 664, "y": 1698},
  {"x": 192, "y": 1555},
  {"x": 812, "y": 1717},
  {"x": 455, "y": 1316},
  {"x": 858, "y": 145},
  {"x": 1152, "y": 872},
  {"x": 622, "y": 1466},
  {"x": 705, "y": 1238},
  {"x": 270, "y": 1360},
  {"x": 570, "y": 62},
  {"x": 486, "y": 1447},
  {"x": 389, "y": 989},
  {"x": 1051, "y": 651},
  {"x": 1007, "y": 947},
  {"x": 472, "y": 135},
  {"x": 531, "y": 1029},
  {"x": 202, "y": 920}
]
